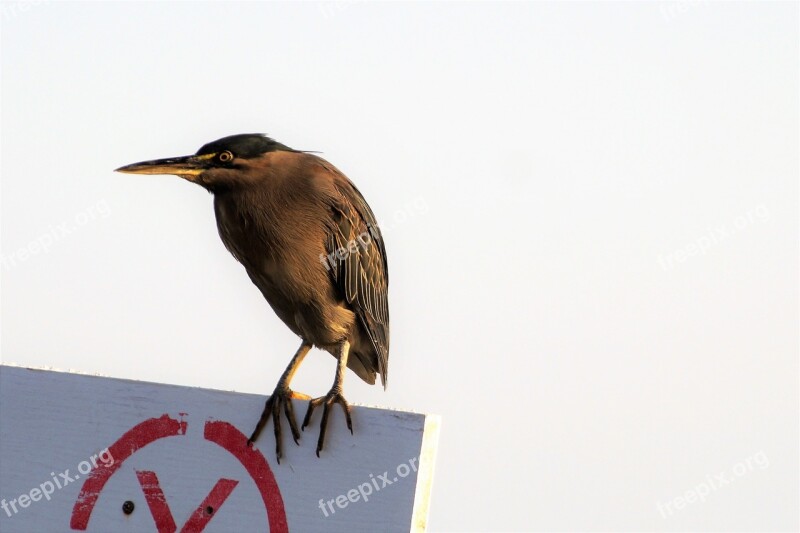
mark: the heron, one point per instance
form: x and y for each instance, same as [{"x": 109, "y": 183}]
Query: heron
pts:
[{"x": 312, "y": 245}]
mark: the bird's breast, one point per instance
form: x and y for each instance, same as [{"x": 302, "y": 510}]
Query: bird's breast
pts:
[{"x": 279, "y": 245}]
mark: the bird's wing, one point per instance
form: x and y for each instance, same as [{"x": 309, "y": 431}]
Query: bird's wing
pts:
[{"x": 358, "y": 265}]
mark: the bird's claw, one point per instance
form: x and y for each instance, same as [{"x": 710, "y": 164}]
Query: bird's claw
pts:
[
  {"x": 333, "y": 397},
  {"x": 281, "y": 397}
]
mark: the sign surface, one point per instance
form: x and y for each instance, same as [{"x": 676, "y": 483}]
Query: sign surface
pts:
[{"x": 87, "y": 453}]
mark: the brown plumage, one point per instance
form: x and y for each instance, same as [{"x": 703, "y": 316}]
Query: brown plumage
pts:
[{"x": 311, "y": 244}]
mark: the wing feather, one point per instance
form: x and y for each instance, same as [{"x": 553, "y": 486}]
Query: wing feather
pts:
[{"x": 361, "y": 271}]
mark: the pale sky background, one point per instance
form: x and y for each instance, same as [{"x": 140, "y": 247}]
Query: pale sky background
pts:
[{"x": 590, "y": 212}]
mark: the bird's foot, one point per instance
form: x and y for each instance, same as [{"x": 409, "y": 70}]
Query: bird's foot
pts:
[
  {"x": 281, "y": 398},
  {"x": 333, "y": 397}
]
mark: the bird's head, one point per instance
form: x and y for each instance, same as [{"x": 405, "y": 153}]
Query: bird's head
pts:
[{"x": 223, "y": 163}]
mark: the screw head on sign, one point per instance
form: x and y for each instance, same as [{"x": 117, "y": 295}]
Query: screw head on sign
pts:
[
  {"x": 210, "y": 510},
  {"x": 127, "y": 507}
]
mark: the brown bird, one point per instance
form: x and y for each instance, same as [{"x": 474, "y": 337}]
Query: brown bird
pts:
[{"x": 311, "y": 244}]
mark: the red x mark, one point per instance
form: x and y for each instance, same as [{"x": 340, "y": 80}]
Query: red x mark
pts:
[{"x": 159, "y": 508}]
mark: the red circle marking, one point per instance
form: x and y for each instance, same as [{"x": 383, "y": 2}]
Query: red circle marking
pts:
[
  {"x": 135, "y": 438},
  {"x": 221, "y": 433}
]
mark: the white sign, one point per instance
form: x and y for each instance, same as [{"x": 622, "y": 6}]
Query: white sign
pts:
[{"x": 87, "y": 453}]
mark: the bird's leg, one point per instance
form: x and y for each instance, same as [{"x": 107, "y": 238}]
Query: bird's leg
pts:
[
  {"x": 334, "y": 396},
  {"x": 282, "y": 397}
]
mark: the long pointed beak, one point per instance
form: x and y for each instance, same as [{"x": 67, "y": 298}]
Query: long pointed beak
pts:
[{"x": 186, "y": 166}]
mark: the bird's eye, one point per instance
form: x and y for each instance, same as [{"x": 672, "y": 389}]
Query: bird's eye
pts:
[{"x": 225, "y": 156}]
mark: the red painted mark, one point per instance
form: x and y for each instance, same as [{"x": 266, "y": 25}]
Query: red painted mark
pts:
[
  {"x": 159, "y": 508},
  {"x": 221, "y": 433},
  {"x": 233, "y": 440},
  {"x": 137, "y": 437},
  {"x": 212, "y": 503},
  {"x": 157, "y": 502}
]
